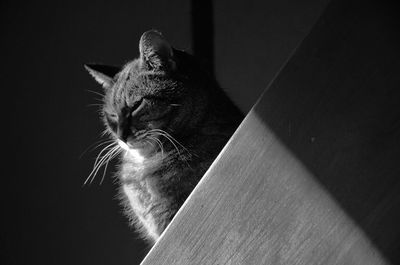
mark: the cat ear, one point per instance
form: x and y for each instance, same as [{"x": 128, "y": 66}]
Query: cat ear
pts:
[
  {"x": 103, "y": 74},
  {"x": 155, "y": 51}
]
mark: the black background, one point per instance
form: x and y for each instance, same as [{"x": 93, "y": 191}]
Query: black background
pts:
[{"x": 48, "y": 216}]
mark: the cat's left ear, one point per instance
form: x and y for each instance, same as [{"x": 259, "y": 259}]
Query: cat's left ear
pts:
[
  {"x": 155, "y": 51},
  {"x": 103, "y": 74}
]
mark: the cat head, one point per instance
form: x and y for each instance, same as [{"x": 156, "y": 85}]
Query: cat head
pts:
[{"x": 162, "y": 93}]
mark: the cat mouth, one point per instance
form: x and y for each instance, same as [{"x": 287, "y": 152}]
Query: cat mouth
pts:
[
  {"x": 137, "y": 145},
  {"x": 132, "y": 144},
  {"x": 138, "y": 148},
  {"x": 123, "y": 145}
]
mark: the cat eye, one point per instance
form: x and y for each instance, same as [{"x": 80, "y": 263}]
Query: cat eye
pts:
[{"x": 137, "y": 104}]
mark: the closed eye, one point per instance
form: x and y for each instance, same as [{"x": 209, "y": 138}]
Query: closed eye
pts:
[
  {"x": 136, "y": 105},
  {"x": 112, "y": 123}
]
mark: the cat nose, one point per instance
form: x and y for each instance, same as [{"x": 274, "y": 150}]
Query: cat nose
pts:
[{"x": 123, "y": 134}]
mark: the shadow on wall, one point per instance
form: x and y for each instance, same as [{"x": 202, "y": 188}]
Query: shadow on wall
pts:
[
  {"x": 335, "y": 105},
  {"x": 254, "y": 38}
]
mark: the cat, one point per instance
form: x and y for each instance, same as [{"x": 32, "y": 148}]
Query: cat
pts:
[{"x": 170, "y": 119}]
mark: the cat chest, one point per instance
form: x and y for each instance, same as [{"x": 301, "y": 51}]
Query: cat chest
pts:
[{"x": 141, "y": 200}]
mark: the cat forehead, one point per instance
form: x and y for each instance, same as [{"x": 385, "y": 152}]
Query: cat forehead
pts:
[
  {"x": 134, "y": 80},
  {"x": 129, "y": 71},
  {"x": 133, "y": 83}
]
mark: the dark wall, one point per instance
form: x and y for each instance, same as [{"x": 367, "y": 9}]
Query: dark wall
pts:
[
  {"x": 254, "y": 38},
  {"x": 49, "y": 217}
]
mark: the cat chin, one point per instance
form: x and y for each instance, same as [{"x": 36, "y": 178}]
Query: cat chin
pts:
[{"x": 136, "y": 155}]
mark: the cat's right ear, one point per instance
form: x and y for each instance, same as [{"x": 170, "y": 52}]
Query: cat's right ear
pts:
[
  {"x": 155, "y": 51},
  {"x": 103, "y": 74}
]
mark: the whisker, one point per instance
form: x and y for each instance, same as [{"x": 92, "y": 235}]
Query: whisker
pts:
[
  {"x": 159, "y": 143},
  {"x": 102, "y": 161},
  {"x": 100, "y": 100},
  {"x": 183, "y": 158},
  {"x": 97, "y": 161},
  {"x": 150, "y": 142},
  {"x": 95, "y": 92},
  {"x": 176, "y": 141},
  {"x": 95, "y": 105},
  {"x": 169, "y": 139},
  {"x": 105, "y": 142},
  {"x": 111, "y": 157},
  {"x": 104, "y": 149},
  {"x": 105, "y": 132},
  {"x": 90, "y": 147}
]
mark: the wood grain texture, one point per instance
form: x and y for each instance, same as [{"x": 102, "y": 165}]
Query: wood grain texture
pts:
[{"x": 312, "y": 174}]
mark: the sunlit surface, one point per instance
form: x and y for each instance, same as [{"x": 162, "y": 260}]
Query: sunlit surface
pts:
[{"x": 134, "y": 153}]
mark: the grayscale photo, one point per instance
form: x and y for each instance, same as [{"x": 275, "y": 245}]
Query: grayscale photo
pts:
[{"x": 201, "y": 132}]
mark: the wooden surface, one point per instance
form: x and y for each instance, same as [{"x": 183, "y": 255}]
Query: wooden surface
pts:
[{"x": 312, "y": 174}]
